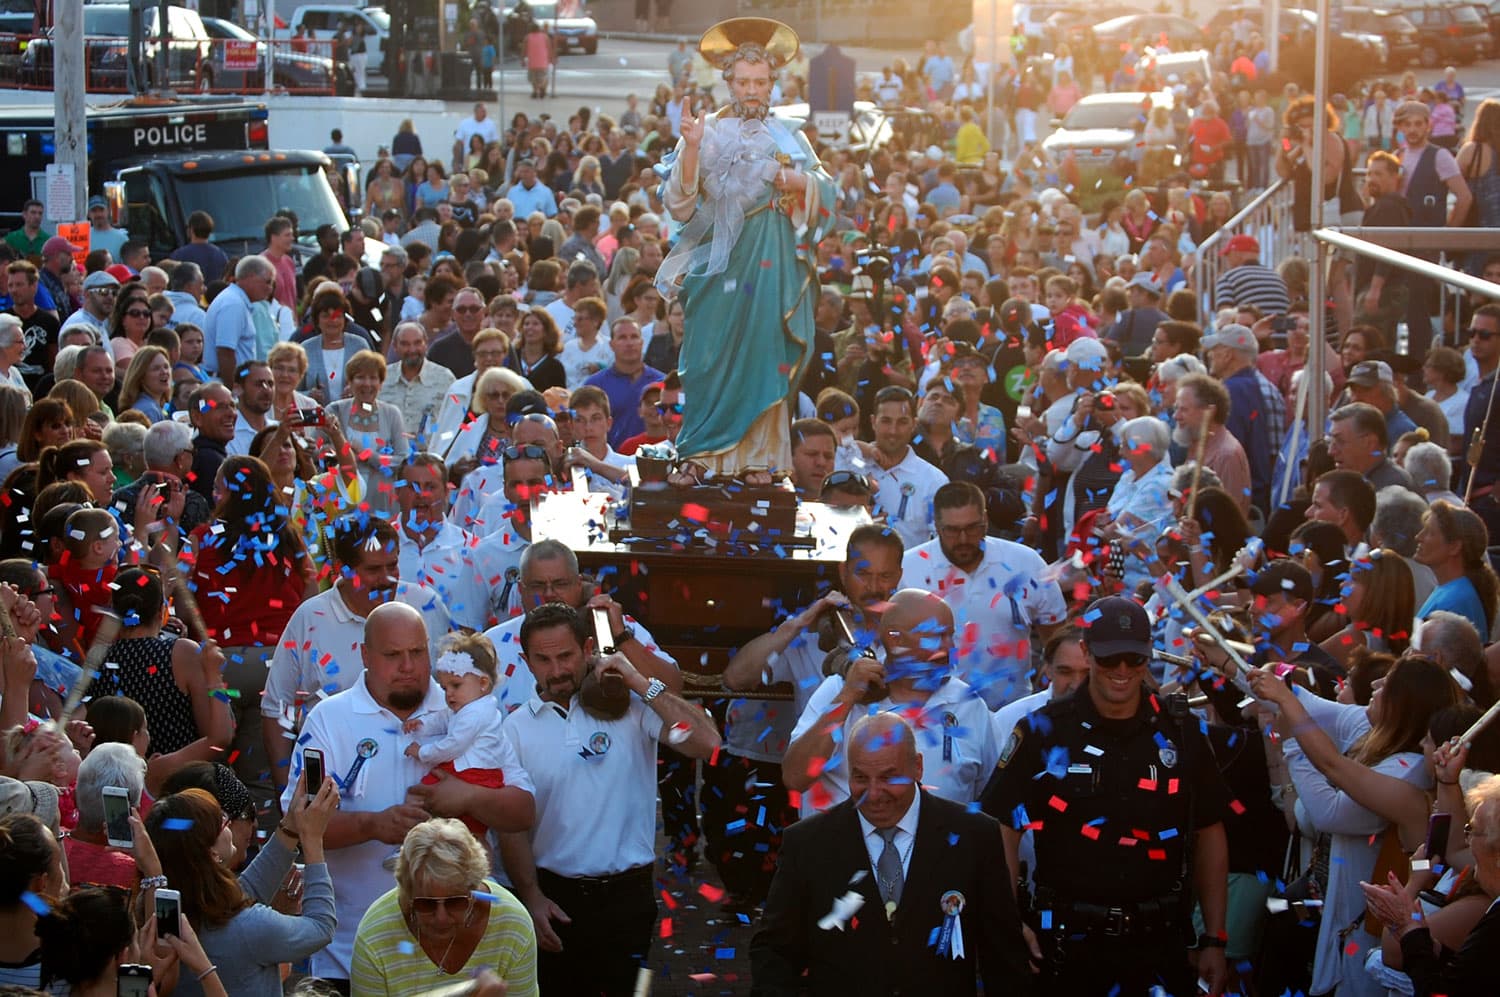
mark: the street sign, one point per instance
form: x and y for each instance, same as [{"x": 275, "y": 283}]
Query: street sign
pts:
[
  {"x": 78, "y": 234},
  {"x": 240, "y": 54},
  {"x": 832, "y": 126},
  {"x": 60, "y": 200}
]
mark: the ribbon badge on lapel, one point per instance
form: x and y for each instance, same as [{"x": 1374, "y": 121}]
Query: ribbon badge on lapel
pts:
[
  {"x": 951, "y": 938},
  {"x": 363, "y": 752}
]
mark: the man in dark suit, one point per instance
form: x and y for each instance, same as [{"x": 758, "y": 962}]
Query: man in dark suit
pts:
[{"x": 894, "y": 891}]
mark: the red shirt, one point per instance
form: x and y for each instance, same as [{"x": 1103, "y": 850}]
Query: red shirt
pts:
[
  {"x": 1207, "y": 138},
  {"x": 245, "y": 602}
]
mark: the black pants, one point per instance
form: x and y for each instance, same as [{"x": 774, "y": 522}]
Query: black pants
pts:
[
  {"x": 609, "y": 939},
  {"x": 677, "y": 783},
  {"x": 1098, "y": 965},
  {"x": 745, "y": 810}
]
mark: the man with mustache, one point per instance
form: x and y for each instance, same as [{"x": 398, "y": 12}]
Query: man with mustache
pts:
[
  {"x": 955, "y": 734},
  {"x": 995, "y": 588},
  {"x": 585, "y": 869},
  {"x": 320, "y": 652}
]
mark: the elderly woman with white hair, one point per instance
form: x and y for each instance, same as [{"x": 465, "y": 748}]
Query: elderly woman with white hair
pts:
[
  {"x": 1141, "y": 504},
  {"x": 444, "y": 918},
  {"x": 486, "y": 432},
  {"x": 91, "y": 859},
  {"x": 1431, "y": 470}
]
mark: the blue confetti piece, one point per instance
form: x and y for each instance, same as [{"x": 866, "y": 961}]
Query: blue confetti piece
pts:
[{"x": 176, "y": 824}]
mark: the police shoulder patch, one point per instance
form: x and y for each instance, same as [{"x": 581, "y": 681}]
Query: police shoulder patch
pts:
[{"x": 1011, "y": 744}]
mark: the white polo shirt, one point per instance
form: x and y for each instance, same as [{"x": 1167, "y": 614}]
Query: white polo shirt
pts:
[
  {"x": 595, "y": 785},
  {"x": 955, "y": 735},
  {"x": 485, "y": 482},
  {"x": 904, "y": 494},
  {"x": 993, "y": 610},
  {"x": 1011, "y": 714},
  {"x": 444, "y": 566},
  {"x": 495, "y": 567},
  {"x": 319, "y": 653},
  {"x": 517, "y": 684},
  {"x": 339, "y": 725}
]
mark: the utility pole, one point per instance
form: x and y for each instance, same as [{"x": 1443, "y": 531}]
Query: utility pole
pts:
[{"x": 69, "y": 103}]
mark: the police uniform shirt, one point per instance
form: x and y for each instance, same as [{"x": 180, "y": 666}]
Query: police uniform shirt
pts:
[
  {"x": 517, "y": 684},
  {"x": 904, "y": 493},
  {"x": 595, "y": 785},
  {"x": 993, "y": 610},
  {"x": 319, "y": 654},
  {"x": 347, "y": 727},
  {"x": 444, "y": 566},
  {"x": 495, "y": 568},
  {"x": 955, "y": 736},
  {"x": 1107, "y": 800}
]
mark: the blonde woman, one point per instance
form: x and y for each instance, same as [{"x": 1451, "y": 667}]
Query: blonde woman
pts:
[
  {"x": 485, "y": 433},
  {"x": 148, "y": 383}
]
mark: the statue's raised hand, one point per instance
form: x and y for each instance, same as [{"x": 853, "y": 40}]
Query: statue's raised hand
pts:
[{"x": 692, "y": 125}]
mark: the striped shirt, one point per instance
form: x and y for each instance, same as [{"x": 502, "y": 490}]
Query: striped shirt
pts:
[
  {"x": 1252, "y": 284},
  {"x": 388, "y": 962}
]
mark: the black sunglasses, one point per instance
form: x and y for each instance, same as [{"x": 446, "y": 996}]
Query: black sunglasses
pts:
[
  {"x": 1112, "y": 661},
  {"x": 528, "y": 452},
  {"x": 838, "y": 479},
  {"x": 1484, "y": 334}
]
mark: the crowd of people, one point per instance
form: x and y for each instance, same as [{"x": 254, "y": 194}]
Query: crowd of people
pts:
[{"x": 1127, "y": 655}]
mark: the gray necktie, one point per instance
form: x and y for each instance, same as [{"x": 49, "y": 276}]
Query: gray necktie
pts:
[{"x": 888, "y": 868}]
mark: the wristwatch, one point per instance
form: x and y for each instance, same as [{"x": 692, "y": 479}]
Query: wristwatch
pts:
[
  {"x": 1212, "y": 942},
  {"x": 654, "y": 688},
  {"x": 619, "y": 639}
]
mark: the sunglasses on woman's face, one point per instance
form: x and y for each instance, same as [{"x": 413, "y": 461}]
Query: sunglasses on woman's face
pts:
[{"x": 452, "y": 906}]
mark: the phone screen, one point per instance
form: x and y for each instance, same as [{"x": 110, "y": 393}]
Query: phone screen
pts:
[
  {"x": 312, "y": 763},
  {"x": 117, "y": 818},
  {"x": 133, "y": 981},
  {"x": 168, "y": 911},
  {"x": 1438, "y": 828}
]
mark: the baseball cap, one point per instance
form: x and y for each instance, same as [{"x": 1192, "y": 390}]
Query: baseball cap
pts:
[
  {"x": 1117, "y": 625},
  {"x": 1145, "y": 282},
  {"x": 98, "y": 279},
  {"x": 97, "y": 202},
  {"x": 38, "y": 798},
  {"x": 1241, "y": 244},
  {"x": 1411, "y": 109},
  {"x": 120, "y": 272},
  {"x": 57, "y": 244},
  {"x": 934, "y": 153},
  {"x": 1368, "y": 373},
  {"x": 1088, "y": 354},
  {"x": 1285, "y": 576},
  {"x": 1233, "y": 335}
]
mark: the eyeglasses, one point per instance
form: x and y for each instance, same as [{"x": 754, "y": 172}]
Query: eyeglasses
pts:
[
  {"x": 468, "y": 308},
  {"x": 1484, "y": 334},
  {"x": 528, "y": 452},
  {"x": 962, "y": 530},
  {"x": 138, "y": 312},
  {"x": 459, "y": 904},
  {"x": 110, "y": 291},
  {"x": 49, "y": 590},
  {"x": 1112, "y": 661}
]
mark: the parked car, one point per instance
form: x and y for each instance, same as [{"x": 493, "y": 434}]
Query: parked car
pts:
[
  {"x": 293, "y": 70},
  {"x": 1179, "y": 31},
  {"x": 1103, "y": 130},
  {"x": 1352, "y": 52},
  {"x": 324, "y": 20},
  {"x": 106, "y": 34},
  {"x": 1449, "y": 33},
  {"x": 1074, "y": 25},
  {"x": 578, "y": 32},
  {"x": 1400, "y": 34},
  {"x": 872, "y": 126}
]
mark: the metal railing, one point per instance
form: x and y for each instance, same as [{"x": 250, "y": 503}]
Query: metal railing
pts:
[
  {"x": 1376, "y": 244},
  {"x": 1268, "y": 217}
]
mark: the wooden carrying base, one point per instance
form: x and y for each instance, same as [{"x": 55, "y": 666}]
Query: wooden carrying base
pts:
[{"x": 734, "y": 513}]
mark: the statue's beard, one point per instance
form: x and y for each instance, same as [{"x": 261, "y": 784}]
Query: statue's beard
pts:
[{"x": 740, "y": 110}]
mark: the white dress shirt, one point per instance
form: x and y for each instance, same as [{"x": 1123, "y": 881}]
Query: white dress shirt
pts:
[
  {"x": 904, "y": 840},
  {"x": 904, "y": 493}
]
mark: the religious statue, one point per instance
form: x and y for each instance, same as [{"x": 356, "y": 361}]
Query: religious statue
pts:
[{"x": 753, "y": 202}]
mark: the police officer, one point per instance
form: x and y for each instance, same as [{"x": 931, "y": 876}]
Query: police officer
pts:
[{"x": 1126, "y": 807}]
